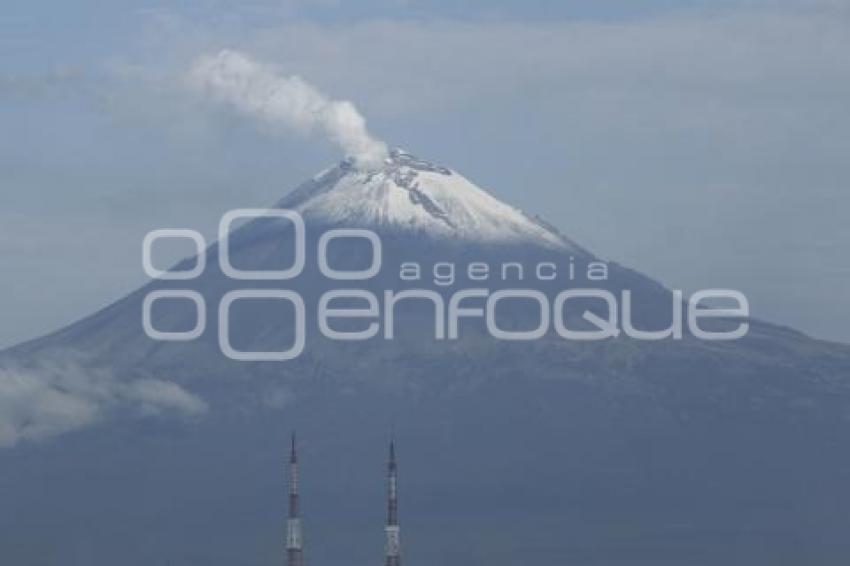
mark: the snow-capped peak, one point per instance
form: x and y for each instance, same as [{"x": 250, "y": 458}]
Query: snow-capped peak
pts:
[{"x": 411, "y": 194}]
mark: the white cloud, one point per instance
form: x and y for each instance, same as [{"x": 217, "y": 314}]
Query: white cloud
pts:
[
  {"x": 51, "y": 400},
  {"x": 31, "y": 408},
  {"x": 156, "y": 396}
]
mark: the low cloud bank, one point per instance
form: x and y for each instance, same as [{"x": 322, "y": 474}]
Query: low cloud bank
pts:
[{"x": 48, "y": 401}]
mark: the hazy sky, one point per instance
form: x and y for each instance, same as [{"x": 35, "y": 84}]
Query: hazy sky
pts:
[{"x": 704, "y": 143}]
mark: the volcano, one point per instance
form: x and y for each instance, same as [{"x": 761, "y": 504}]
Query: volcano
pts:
[{"x": 617, "y": 451}]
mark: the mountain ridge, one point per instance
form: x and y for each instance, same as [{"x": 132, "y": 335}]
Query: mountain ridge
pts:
[
  {"x": 411, "y": 230},
  {"x": 613, "y": 452}
]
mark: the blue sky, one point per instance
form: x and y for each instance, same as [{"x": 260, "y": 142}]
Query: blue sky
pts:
[{"x": 703, "y": 143}]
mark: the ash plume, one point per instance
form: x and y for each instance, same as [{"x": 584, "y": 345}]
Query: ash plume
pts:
[{"x": 261, "y": 91}]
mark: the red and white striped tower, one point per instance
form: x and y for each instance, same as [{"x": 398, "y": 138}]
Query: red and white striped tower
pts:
[
  {"x": 392, "y": 529},
  {"x": 294, "y": 550}
]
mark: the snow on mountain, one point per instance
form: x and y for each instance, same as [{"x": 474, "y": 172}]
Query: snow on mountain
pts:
[{"x": 413, "y": 195}]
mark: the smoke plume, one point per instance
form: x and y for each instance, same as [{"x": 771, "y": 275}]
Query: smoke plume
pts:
[{"x": 261, "y": 91}]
